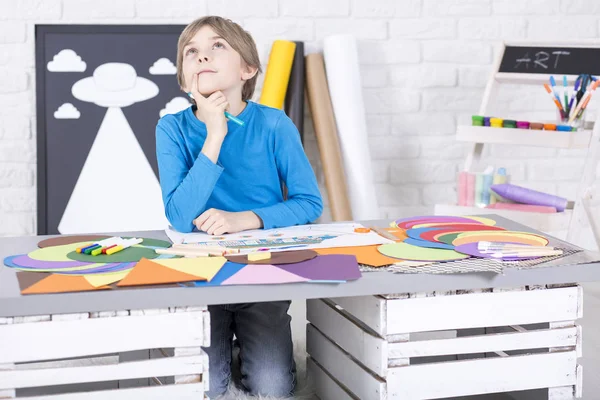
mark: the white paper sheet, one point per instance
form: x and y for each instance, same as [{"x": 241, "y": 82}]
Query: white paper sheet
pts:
[
  {"x": 343, "y": 77},
  {"x": 322, "y": 235}
]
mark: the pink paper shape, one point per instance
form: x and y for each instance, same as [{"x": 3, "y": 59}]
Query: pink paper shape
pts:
[{"x": 257, "y": 274}]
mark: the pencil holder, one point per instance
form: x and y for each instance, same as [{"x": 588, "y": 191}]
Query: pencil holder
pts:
[{"x": 575, "y": 124}]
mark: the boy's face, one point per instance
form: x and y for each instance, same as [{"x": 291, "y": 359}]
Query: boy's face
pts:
[{"x": 219, "y": 66}]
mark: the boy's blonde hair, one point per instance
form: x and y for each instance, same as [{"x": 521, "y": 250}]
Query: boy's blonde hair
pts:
[{"x": 235, "y": 35}]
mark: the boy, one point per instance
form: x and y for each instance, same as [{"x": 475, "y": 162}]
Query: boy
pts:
[{"x": 219, "y": 177}]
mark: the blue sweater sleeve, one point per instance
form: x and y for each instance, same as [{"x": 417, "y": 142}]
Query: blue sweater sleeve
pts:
[
  {"x": 304, "y": 203},
  {"x": 185, "y": 190}
]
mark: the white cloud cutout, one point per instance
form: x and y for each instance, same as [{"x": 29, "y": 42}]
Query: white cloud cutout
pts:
[
  {"x": 174, "y": 106},
  {"x": 66, "y": 61},
  {"x": 114, "y": 85},
  {"x": 67, "y": 111},
  {"x": 163, "y": 66}
]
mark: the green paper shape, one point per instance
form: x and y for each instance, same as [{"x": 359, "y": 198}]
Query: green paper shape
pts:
[
  {"x": 130, "y": 254},
  {"x": 65, "y": 252},
  {"x": 405, "y": 251},
  {"x": 448, "y": 238},
  {"x": 153, "y": 243}
]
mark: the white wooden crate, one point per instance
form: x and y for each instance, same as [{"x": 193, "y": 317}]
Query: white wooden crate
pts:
[
  {"x": 54, "y": 350},
  {"x": 416, "y": 347}
]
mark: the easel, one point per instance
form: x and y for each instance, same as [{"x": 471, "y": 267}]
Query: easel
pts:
[{"x": 521, "y": 63}]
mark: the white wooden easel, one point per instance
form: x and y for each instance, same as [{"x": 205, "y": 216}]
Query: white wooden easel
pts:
[{"x": 570, "y": 219}]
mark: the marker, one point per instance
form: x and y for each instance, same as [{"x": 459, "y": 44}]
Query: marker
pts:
[
  {"x": 580, "y": 106},
  {"x": 565, "y": 95},
  {"x": 553, "y": 83},
  {"x": 123, "y": 245},
  {"x": 105, "y": 243},
  {"x": 91, "y": 248},
  {"x": 570, "y": 107},
  {"x": 106, "y": 248},
  {"x": 554, "y": 98},
  {"x": 583, "y": 87},
  {"x": 496, "y": 122},
  {"x": 80, "y": 249},
  {"x": 234, "y": 119},
  {"x": 583, "y": 106},
  {"x": 227, "y": 115}
]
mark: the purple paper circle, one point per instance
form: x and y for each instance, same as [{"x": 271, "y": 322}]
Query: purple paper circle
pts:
[{"x": 27, "y": 262}]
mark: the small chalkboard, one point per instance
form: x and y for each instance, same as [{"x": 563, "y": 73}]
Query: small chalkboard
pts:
[{"x": 551, "y": 60}]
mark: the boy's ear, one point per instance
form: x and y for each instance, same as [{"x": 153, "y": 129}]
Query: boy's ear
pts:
[{"x": 248, "y": 72}]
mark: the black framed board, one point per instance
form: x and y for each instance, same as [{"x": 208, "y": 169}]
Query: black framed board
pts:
[
  {"x": 100, "y": 92},
  {"x": 553, "y": 60}
]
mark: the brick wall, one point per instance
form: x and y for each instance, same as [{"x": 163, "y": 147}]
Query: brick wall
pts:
[{"x": 424, "y": 66}]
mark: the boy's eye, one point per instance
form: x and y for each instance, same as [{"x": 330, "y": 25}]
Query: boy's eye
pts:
[
  {"x": 190, "y": 51},
  {"x": 218, "y": 45}
]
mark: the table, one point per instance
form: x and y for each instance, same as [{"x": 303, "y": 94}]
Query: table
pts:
[{"x": 193, "y": 301}]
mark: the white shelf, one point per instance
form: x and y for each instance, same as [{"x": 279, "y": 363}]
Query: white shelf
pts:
[
  {"x": 553, "y": 222},
  {"x": 524, "y": 137}
]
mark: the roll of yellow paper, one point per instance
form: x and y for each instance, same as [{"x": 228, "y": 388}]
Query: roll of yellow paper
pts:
[{"x": 278, "y": 73}]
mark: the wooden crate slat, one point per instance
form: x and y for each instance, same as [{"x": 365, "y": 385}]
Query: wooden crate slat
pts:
[
  {"x": 325, "y": 386},
  {"x": 76, "y": 338},
  {"x": 482, "y": 310},
  {"x": 481, "y": 376},
  {"x": 193, "y": 391},
  {"x": 364, "y": 385},
  {"x": 17, "y": 379},
  {"x": 486, "y": 343},
  {"x": 368, "y": 349}
]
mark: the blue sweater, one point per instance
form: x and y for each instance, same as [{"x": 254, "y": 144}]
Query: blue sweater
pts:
[{"x": 254, "y": 159}]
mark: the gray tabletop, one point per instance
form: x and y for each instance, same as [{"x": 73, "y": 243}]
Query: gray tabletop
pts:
[{"x": 580, "y": 267}]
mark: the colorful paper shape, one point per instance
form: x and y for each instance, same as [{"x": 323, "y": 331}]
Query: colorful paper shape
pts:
[
  {"x": 84, "y": 270},
  {"x": 475, "y": 220},
  {"x": 24, "y": 261},
  {"x": 334, "y": 267},
  {"x": 281, "y": 257},
  {"x": 256, "y": 274},
  {"x": 368, "y": 255},
  {"x": 407, "y": 251},
  {"x": 201, "y": 267},
  {"x": 98, "y": 280},
  {"x": 473, "y": 250},
  {"x": 407, "y": 223},
  {"x": 62, "y": 240},
  {"x": 130, "y": 254},
  {"x": 430, "y": 245},
  {"x": 41, "y": 282},
  {"x": 501, "y": 236},
  {"x": 447, "y": 238},
  {"x": 228, "y": 270},
  {"x": 147, "y": 272},
  {"x": 56, "y": 253},
  {"x": 432, "y": 232},
  {"x": 322, "y": 269}
]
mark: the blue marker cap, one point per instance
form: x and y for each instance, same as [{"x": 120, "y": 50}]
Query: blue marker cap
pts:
[{"x": 501, "y": 171}]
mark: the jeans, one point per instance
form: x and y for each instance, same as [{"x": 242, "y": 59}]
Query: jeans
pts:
[{"x": 266, "y": 352}]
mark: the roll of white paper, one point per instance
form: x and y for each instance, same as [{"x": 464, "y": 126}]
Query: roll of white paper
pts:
[{"x": 343, "y": 75}]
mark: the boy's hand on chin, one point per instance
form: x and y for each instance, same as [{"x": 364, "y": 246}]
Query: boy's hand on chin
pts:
[
  {"x": 211, "y": 110},
  {"x": 218, "y": 222}
]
